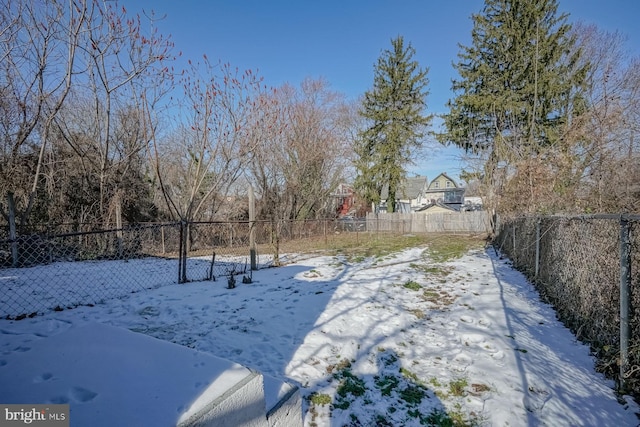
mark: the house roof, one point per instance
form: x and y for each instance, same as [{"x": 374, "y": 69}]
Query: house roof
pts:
[
  {"x": 435, "y": 205},
  {"x": 410, "y": 188},
  {"x": 443, "y": 174}
]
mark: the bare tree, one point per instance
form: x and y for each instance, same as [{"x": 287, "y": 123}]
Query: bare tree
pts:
[
  {"x": 204, "y": 154},
  {"x": 302, "y": 154},
  {"x": 96, "y": 55},
  {"x": 606, "y": 136},
  {"x": 38, "y": 42},
  {"x": 121, "y": 62}
]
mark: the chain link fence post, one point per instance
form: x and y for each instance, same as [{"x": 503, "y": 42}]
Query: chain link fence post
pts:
[
  {"x": 537, "y": 268},
  {"x": 252, "y": 230},
  {"x": 513, "y": 239},
  {"x": 182, "y": 253},
  {"x": 13, "y": 235},
  {"x": 625, "y": 291}
]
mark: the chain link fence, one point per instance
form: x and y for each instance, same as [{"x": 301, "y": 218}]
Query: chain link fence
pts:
[
  {"x": 225, "y": 249},
  {"x": 44, "y": 270},
  {"x": 588, "y": 268},
  {"x": 59, "y": 267}
]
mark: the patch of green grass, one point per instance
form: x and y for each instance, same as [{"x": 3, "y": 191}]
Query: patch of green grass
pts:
[
  {"x": 448, "y": 248},
  {"x": 457, "y": 387},
  {"x": 376, "y": 247},
  {"x": 319, "y": 399},
  {"x": 456, "y": 418},
  {"x": 413, "y": 394},
  {"x": 350, "y": 384},
  {"x": 381, "y": 421},
  {"x": 413, "y": 285},
  {"x": 434, "y": 382},
  {"x": 438, "y": 418},
  {"x": 409, "y": 375},
  {"x": 386, "y": 384},
  {"x": 388, "y": 359},
  {"x": 430, "y": 295},
  {"x": 341, "y": 365},
  {"x": 342, "y": 404},
  {"x": 414, "y": 413},
  {"x": 432, "y": 270},
  {"x": 438, "y": 296}
]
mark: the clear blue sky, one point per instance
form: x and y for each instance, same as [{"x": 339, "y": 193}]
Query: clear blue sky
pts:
[{"x": 287, "y": 41}]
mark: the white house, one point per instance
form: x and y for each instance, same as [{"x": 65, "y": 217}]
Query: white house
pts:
[{"x": 409, "y": 196}]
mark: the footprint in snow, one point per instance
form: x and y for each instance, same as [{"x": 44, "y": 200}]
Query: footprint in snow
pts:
[
  {"x": 81, "y": 395},
  {"x": 461, "y": 362},
  {"x": 43, "y": 377},
  {"x": 498, "y": 355},
  {"x": 59, "y": 400},
  {"x": 467, "y": 319},
  {"x": 468, "y": 339},
  {"x": 484, "y": 322},
  {"x": 490, "y": 348},
  {"x": 535, "y": 398}
]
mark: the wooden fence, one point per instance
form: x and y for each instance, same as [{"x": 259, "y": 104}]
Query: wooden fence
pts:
[{"x": 475, "y": 222}]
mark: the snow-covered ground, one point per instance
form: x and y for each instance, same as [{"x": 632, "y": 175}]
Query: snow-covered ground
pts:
[{"x": 396, "y": 341}]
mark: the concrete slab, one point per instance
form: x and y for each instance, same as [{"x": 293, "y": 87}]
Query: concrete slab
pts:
[
  {"x": 112, "y": 376},
  {"x": 284, "y": 403}
]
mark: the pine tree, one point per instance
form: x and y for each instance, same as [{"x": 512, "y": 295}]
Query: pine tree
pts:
[
  {"x": 394, "y": 113},
  {"x": 518, "y": 83}
]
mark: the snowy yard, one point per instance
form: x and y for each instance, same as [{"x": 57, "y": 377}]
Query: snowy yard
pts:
[{"x": 398, "y": 340}]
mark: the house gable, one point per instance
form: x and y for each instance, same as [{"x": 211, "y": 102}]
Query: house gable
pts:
[
  {"x": 436, "y": 207},
  {"x": 442, "y": 182},
  {"x": 444, "y": 190}
]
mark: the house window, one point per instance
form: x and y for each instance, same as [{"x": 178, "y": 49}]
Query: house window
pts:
[
  {"x": 449, "y": 184},
  {"x": 436, "y": 184}
]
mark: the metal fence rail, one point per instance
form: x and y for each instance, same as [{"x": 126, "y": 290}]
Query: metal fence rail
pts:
[
  {"x": 588, "y": 268},
  {"x": 42, "y": 271},
  {"x": 57, "y": 267}
]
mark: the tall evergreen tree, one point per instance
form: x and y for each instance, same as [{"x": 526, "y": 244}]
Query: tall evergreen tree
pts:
[
  {"x": 518, "y": 83},
  {"x": 394, "y": 111}
]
